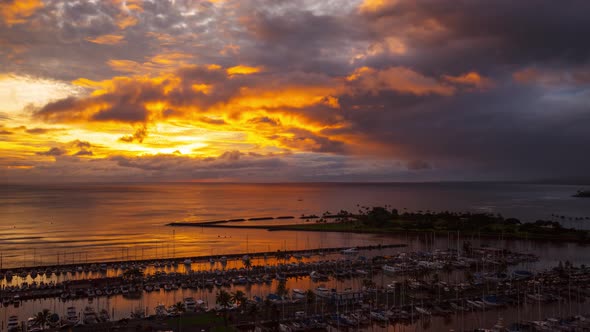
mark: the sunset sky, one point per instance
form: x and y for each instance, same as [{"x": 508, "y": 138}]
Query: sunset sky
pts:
[{"x": 293, "y": 90}]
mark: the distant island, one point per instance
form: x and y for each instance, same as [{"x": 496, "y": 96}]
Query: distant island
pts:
[
  {"x": 389, "y": 220},
  {"x": 582, "y": 193},
  {"x": 383, "y": 220}
]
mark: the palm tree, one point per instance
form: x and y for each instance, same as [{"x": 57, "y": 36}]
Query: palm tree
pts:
[
  {"x": 247, "y": 263},
  {"x": 42, "y": 318},
  {"x": 282, "y": 289},
  {"x": 239, "y": 298},
  {"x": 223, "y": 299},
  {"x": 179, "y": 308}
]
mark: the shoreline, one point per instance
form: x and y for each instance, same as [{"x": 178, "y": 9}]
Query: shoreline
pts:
[{"x": 343, "y": 228}]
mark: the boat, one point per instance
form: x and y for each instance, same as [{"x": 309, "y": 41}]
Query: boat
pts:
[
  {"x": 379, "y": 316},
  {"x": 423, "y": 311},
  {"x": 350, "y": 251},
  {"x": 190, "y": 304},
  {"x": 188, "y": 262},
  {"x": 315, "y": 275},
  {"x": 298, "y": 293},
  {"x": 389, "y": 269},
  {"x": 72, "y": 316},
  {"x": 13, "y": 324},
  {"x": 492, "y": 300},
  {"x": 103, "y": 316},
  {"x": 521, "y": 274},
  {"x": 89, "y": 315},
  {"x": 322, "y": 291},
  {"x": 474, "y": 304},
  {"x": 535, "y": 297}
]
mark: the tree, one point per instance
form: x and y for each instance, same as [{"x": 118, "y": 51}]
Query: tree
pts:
[
  {"x": 239, "y": 298},
  {"x": 282, "y": 289},
  {"x": 223, "y": 299},
  {"x": 248, "y": 263},
  {"x": 179, "y": 308},
  {"x": 42, "y": 318}
]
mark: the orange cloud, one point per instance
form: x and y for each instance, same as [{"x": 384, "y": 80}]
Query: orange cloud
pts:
[
  {"x": 243, "y": 70},
  {"x": 369, "y": 6},
  {"x": 472, "y": 78},
  {"x": 398, "y": 79},
  {"x": 165, "y": 62},
  {"x": 107, "y": 39},
  {"x": 17, "y": 11},
  {"x": 125, "y": 20}
]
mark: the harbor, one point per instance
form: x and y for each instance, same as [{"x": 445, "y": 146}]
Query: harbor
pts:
[{"x": 317, "y": 288}]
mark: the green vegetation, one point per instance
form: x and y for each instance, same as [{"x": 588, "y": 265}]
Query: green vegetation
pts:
[{"x": 384, "y": 219}]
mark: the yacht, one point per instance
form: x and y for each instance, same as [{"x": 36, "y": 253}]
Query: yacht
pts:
[
  {"x": 89, "y": 315},
  {"x": 13, "y": 324},
  {"x": 190, "y": 304},
  {"x": 72, "y": 316},
  {"x": 350, "y": 251},
  {"x": 104, "y": 316},
  {"x": 298, "y": 293},
  {"x": 389, "y": 269},
  {"x": 161, "y": 310}
]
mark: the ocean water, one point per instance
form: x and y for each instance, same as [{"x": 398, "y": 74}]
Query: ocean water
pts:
[{"x": 53, "y": 224}]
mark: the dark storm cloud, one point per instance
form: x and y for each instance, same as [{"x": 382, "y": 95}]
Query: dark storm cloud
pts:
[{"x": 448, "y": 35}]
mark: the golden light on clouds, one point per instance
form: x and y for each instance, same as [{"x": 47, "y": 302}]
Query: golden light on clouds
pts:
[
  {"x": 243, "y": 70},
  {"x": 17, "y": 11},
  {"x": 17, "y": 91},
  {"x": 107, "y": 39}
]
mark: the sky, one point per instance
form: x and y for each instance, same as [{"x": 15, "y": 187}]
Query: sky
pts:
[{"x": 294, "y": 90}]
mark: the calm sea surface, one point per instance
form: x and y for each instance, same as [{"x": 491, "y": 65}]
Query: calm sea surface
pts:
[{"x": 76, "y": 223}]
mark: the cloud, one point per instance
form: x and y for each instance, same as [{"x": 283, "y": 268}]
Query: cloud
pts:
[
  {"x": 17, "y": 11},
  {"x": 54, "y": 152},
  {"x": 107, "y": 39},
  {"x": 398, "y": 79},
  {"x": 374, "y": 89},
  {"x": 139, "y": 135},
  {"x": 470, "y": 79},
  {"x": 83, "y": 153}
]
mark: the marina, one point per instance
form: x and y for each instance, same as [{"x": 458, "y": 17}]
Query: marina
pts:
[{"x": 359, "y": 285}]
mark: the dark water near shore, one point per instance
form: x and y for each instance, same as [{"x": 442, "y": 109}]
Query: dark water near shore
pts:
[{"x": 75, "y": 223}]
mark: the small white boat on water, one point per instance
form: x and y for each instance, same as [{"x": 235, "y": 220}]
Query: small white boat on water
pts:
[
  {"x": 350, "y": 251},
  {"x": 298, "y": 293},
  {"x": 389, "y": 269}
]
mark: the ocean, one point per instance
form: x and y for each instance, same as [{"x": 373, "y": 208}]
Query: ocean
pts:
[{"x": 70, "y": 223}]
